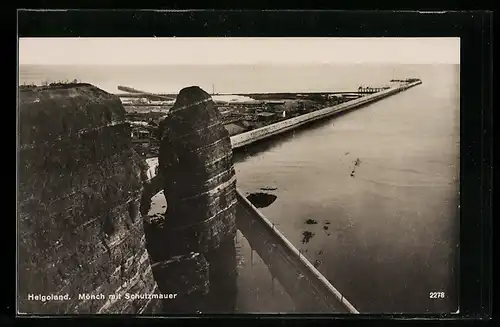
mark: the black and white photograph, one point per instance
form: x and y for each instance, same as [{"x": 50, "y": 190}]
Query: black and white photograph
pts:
[{"x": 241, "y": 175}]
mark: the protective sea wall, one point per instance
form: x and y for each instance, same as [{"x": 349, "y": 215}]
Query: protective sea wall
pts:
[
  {"x": 81, "y": 244},
  {"x": 262, "y": 133}
]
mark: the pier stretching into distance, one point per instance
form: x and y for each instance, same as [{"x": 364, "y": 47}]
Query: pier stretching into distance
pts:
[
  {"x": 81, "y": 235},
  {"x": 265, "y": 132}
]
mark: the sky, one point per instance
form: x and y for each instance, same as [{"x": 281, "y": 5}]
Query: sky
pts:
[{"x": 217, "y": 51}]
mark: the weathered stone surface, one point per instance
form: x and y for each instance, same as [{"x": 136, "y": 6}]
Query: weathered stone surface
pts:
[
  {"x": 196, "y": 160},
  {"x": 190, "y": 284},
  {"x": 201, "y": 237},
  {"x": 199, "y": 184},
  {"x": 87, "y": 149},
  {"x": 80, "y": 231},
  {"x": 50, "y": 113},
  {"x": 192, "y": 271}
]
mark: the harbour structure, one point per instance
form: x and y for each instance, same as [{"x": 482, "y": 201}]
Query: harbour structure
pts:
[{"x": 268, "y": 131}]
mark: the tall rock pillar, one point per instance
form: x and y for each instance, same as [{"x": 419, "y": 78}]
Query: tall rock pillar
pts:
[{"x": 194, "y": 252}]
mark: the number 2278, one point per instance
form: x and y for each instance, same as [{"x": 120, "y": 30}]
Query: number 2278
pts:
[{"x": 436, "y": 295}]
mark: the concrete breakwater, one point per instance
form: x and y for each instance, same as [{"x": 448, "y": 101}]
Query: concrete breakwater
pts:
[
  {"x": 250, "y": 137},
  {"x": 80, "y": 234}
]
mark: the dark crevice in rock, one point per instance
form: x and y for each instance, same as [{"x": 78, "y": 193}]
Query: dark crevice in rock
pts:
[
  {"x": 105, "y": 244},
  {"x": 107, "y": 225},
  {"x": 122, "y": 269},
  {"x": 132, "y": 211}
]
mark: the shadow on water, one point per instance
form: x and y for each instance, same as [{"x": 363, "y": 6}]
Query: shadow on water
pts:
[{"x": 261, "y": 200}]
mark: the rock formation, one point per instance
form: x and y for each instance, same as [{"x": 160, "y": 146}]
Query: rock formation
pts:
[
  {"x": 200, "y": 188},
  {"x": 80, "y": 231}
]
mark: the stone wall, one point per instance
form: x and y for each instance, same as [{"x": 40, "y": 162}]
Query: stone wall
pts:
[{"x": 79, "y": 227}]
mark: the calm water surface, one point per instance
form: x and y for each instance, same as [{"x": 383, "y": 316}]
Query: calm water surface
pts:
[{"x": 386, "y": 236}]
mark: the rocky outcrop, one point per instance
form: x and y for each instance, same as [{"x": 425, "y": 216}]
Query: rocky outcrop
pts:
[
  {"x": 81, "y": 238},
  {"x": 199, "y": 228}
]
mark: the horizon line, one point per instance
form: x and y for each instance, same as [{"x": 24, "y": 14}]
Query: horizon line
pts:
[{"x": 239, "y": 64}]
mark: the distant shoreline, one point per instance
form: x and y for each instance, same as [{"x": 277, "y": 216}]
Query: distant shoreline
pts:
[{"x": 254, "y": 95}]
